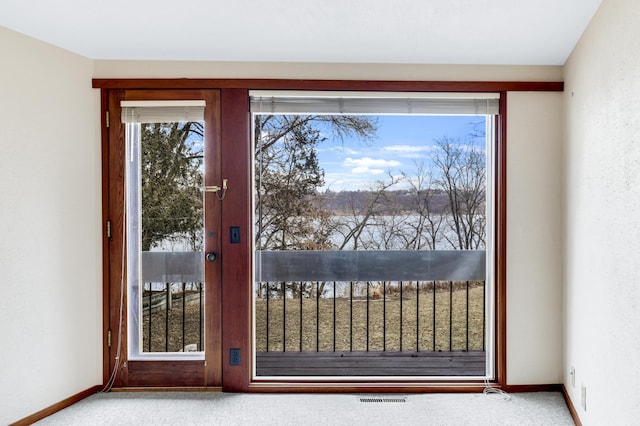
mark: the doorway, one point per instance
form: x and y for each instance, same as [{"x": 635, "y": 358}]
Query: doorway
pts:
[{"x": 164, "y": 208}]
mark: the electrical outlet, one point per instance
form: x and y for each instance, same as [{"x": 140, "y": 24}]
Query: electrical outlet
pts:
[
  {"x": 572, "y": 373},
  {"x": 583, "y": 399},
  {"x": 234, "y": 356}
]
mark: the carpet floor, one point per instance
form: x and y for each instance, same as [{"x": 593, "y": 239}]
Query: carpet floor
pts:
[{"x": 209, "y": 408}]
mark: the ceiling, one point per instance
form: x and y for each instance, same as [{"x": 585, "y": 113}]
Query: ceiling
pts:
[{"x": 518, "y": 32}]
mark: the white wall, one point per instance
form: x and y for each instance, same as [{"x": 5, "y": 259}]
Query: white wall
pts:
[
  {"x": 324, "y": 71},
  {"x": 50, "y": 250},
  {"x": 534, "y": 238},
  {"x": 602, "y": 216}
]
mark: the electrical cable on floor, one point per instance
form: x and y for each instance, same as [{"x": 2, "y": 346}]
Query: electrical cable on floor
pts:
[{"x": 489, "y": 389}]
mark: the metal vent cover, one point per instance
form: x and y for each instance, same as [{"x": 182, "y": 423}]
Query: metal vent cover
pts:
[{"x": 383, "y": 399}]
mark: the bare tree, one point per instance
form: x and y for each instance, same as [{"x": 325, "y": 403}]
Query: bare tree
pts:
[
  {"x": 462, "y": 177},
  {"x": 288, "y": 177},
  {"x": 290, "y": 214},
  {"x": 426, "y": 228},
  {"x": 352, "y": 226}
]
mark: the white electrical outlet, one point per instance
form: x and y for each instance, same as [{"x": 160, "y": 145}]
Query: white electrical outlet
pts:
[
  {"x": 572, "y": 373},
  {"x": 583, "y": 400}
]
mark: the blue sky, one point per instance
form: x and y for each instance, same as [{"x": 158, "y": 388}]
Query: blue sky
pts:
[{"x": 401, "y": 141}]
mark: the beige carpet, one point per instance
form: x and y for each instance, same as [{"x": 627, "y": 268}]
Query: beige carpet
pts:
[{"x": 173, "y": 408}]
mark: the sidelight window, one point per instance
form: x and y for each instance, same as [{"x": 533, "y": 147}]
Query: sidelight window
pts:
[{"x": 164, "y": 217}]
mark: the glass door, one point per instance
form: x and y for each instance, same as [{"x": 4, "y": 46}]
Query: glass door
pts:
[{"x": 170, "y": 280}]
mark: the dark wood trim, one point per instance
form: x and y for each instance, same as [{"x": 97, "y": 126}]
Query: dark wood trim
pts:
[
  {"x": 104, "y": 107},
  {"x": 571, "y": 407},
  {"x": 236, "y": 259},
  {"x": 169, "y": 389},
  {"x": 501, "y": 243},
  {"x": 355, "y": 85},
  {"x": 165, "y": 373},
  {"x": 213, "y": 222},
  {"x": 46, "y": 412},
  {"x": 115, "y": 212},
  {"x": 532, "y": 388},
  {"x": 164, "y": 94}
]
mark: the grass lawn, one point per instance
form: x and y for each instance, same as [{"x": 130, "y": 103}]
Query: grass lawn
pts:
[{"x": 385, "y": 329}]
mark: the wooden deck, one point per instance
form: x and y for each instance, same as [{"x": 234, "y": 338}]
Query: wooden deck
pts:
[{"x": 377, "y": 363}]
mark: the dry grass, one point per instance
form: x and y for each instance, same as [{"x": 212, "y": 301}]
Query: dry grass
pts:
[{"x": 383, "y": 319}]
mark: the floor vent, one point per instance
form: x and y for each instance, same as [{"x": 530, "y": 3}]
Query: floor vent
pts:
[{"x": 384, "y": 399}]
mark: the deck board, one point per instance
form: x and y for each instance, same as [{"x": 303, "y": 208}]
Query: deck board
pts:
[{"x": 374, "y": 363}]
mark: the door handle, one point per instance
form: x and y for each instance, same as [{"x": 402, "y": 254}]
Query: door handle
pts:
[
  {"x": 216, "y": 189},
  {"x": 211, "y": 256}
]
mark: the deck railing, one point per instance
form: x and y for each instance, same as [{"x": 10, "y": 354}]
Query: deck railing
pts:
[
  {"x": 370, "y": 301},
  {"x": 172, "y": 302},
  {"x": 328, "y": 301},
  {"x": 173, "y": 317}
]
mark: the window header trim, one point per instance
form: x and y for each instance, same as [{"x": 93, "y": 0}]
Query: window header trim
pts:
[{"x": 297, "y": 84}]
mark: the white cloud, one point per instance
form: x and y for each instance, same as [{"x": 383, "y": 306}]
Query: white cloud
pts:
[
  {"x": 368, "y": 162},
  {"x": 409, "y": 151},
  {"x": 367, "y": 170}
]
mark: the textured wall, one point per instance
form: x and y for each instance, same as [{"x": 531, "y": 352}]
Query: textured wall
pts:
[
  {"x": 534, "y": 238},
  {"x": 50, "y": 251},
  {"x": 326, "y": 71},
  {"x": 602, "y": 198}
]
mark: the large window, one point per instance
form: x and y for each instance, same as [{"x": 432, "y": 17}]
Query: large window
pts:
[{"x": 373, "y": 234}]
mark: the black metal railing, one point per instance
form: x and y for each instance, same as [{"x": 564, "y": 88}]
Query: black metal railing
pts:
[
  {"x": 173, "y": 317},
  {"x": 370, "y": 301},
  {"x": 172, "y": 302},
  {"x": 370, "y": 316}
]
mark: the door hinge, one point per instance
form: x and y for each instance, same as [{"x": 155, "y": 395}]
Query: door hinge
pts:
[
  {"x": 109, "y": 229},
  {"x": 109, "y": 338},
  {"x": 107, "y": 118}
]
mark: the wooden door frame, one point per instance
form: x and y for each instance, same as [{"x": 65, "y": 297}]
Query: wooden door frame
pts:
[
  {"x": 236, "y": 259},
  {"x": 163, "y": 373}
]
